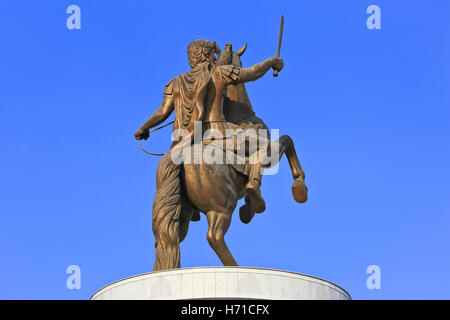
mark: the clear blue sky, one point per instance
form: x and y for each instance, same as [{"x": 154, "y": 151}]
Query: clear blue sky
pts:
[{"x": 367, "y": 109}]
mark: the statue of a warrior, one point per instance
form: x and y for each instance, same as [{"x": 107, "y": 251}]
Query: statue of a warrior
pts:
[
  {"x": 185, "y": 189},
  {"x": 198, "y": 95}
]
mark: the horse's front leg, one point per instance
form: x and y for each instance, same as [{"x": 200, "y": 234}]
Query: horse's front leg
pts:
[
  {"x": 286, "y": 146},
  {"x": 219, "y": 223}
]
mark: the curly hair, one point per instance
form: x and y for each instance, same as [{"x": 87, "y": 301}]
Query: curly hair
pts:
[{"x": 199, "y": 51}]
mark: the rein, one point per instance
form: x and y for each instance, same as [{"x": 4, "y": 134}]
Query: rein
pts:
[
  {"x": 168, "y": 124},
  {"x": 156, "y": 129}
]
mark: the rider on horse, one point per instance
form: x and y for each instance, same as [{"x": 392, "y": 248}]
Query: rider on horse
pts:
[{"x": 198, "y": 95}]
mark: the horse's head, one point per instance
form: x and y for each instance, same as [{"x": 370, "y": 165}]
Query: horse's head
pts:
[
  {"x": 228, "y": 56},
  {"x": 237, "y": 105}
]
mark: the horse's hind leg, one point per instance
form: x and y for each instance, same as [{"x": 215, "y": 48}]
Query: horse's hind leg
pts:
[
  {"x": 218, "y": 226},
  {"x": 299, "y": 189},
  {"x": 185, "y": 219},
  {"x": 187, "y": 214}
]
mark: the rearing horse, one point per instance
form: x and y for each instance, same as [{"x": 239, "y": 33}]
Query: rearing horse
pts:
[{"x": 214, "y": 189}]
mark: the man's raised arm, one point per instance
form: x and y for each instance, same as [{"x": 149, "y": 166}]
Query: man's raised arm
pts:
[
  {"x": 161, "y": 114},
  {"x": 258, "y": 70}
]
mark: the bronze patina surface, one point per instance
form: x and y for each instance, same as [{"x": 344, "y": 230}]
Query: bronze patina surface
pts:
[{"x": 212, "y": 93}]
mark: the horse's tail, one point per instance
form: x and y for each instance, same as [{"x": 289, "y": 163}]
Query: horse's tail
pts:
[{"x": 166, "y": 215}]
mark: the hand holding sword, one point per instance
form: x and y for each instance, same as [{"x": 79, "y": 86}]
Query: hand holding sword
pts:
[{"x": 275, "y": 74}]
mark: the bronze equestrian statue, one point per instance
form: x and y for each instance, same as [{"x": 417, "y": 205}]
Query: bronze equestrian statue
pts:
[{"x": 213, "y": 95}]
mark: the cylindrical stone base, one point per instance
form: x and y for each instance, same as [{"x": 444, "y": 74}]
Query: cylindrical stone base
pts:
[{"x": 222, "y": 283}]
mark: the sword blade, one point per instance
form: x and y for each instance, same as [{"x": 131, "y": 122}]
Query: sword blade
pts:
[
  {"x": 280, "y": 36},
  {"x": 275, "y": 73}
]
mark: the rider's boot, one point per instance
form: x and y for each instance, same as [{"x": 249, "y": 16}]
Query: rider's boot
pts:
[
  {"x": 300, "y": 190},
  {"x": 254, "y": 194},
  {"x": 246, "y": 212}
]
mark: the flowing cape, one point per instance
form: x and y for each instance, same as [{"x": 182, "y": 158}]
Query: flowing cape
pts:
[{"x": 190, "y": 95}]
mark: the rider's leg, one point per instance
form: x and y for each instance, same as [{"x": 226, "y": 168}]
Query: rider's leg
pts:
[
  {"x": 253, "y": 191},
  {"x": 253, "y": 186}
]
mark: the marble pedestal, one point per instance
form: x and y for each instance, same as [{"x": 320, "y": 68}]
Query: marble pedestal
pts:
[{"x": 221, "y": 283}]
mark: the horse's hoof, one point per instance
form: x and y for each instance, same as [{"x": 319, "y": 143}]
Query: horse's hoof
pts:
[
  {"x": 246, "y": 213},
  {"x": 254, "y": 195},
  {"x": 195, "y": 216},
  {"x": 300, "y": 191}
]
